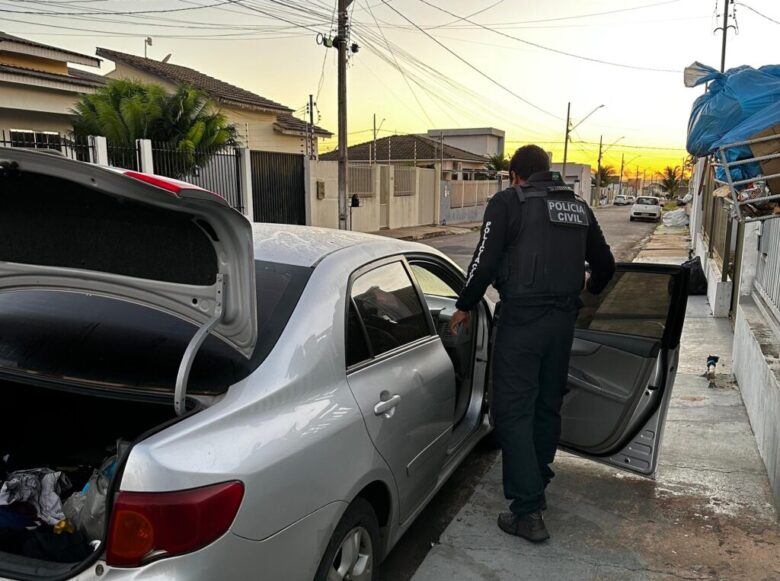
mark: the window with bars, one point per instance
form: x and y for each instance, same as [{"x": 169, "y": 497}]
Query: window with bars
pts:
[{"x": 35, "y": 139}]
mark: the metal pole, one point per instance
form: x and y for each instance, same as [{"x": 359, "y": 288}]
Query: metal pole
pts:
[
  {"x": 725, "y": 34},
  {"x": 598, "y": 171},
  {"x": 374, "y": 159},
  {"x": 311, "y": 127},
  {"x": 342, "y": 113},
  {"x": 566, "y": 141},
  {"x": 620, "y": 179}
]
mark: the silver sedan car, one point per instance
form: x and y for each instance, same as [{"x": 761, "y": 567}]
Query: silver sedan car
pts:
[{"x": 289, "y": 398}]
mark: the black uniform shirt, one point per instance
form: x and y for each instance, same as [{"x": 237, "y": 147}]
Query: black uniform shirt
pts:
[{"x": 500, "y": 228}]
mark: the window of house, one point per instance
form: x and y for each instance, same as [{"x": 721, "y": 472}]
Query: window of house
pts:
[{"x": 35, "y": 139}]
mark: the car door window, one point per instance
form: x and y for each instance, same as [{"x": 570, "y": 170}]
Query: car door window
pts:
[
  {"x": 357, "y": 347},
  {"x": 432, "y": 284},
  {"x": 634, "y": 303},
  {"x": 389, "y": 307}
]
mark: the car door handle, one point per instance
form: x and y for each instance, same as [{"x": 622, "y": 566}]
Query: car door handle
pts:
[{"x": 387, "y": 406}]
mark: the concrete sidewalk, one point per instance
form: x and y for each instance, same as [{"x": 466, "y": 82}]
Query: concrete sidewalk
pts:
[
  {"x": 425, "y": 232},
  {"x": 709, "y": 514}
]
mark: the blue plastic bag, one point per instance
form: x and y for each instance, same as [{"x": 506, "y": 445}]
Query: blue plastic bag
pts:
[{"x": 731, "y": 98}]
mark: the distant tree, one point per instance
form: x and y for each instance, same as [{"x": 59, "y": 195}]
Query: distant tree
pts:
[
  {"x": 498, "y": 162},
  {"x": 185, "y": 122},
  {"x": 607, "y": 173},
  {"x": 670, "y": 181}
]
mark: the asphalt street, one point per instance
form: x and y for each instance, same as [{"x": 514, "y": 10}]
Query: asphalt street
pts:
[{"x": 626, "y": 239}]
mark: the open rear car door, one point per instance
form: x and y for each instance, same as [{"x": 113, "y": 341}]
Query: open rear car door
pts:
[
  {"x": 76, "y": 227},
  {"x": 623, "y": 366}
]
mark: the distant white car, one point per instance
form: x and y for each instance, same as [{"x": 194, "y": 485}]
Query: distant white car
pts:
[
  {"x": 646, "y": 208},
  {"x": 621, "y": 200}
]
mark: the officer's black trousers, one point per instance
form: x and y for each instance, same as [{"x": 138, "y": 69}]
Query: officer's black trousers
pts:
[{"x": 530, "y": 369}]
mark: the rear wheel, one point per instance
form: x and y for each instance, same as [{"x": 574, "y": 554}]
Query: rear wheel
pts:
[
  {"x": 631, "y": 218},
  {"x": 353, "y": 550}
]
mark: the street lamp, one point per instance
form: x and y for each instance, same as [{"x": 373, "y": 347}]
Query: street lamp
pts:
[{"x": 569, "y": 129}]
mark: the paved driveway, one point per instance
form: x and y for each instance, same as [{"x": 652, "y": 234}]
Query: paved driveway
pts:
[{"x": 709, "y": 514}]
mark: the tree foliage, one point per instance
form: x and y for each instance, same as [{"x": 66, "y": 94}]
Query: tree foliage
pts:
[
  {"x": 671, "y": 180},
  {"x": 498, "y": 162},
  {"x": 186, "y": 122}
]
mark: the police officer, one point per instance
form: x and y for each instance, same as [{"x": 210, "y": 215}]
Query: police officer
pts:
[{"x": 535, "y": 240}]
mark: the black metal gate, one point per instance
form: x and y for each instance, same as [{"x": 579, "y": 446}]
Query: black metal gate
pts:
[{"x": 278, "y": 189}]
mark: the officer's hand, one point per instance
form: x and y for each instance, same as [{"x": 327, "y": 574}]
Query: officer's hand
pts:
[{"x": 458, "y": 319}]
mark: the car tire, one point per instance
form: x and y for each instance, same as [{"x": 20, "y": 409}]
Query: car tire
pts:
[
  {"x": 358, "y": 533},
  {"x": 631, "y": 218}
]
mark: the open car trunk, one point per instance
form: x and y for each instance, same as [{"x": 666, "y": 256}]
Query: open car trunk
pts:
[
  {"x": 75, "y": 435},
  {"x": 115, "y": 288}
]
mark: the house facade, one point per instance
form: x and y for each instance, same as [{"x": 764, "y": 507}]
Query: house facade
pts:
[
  {"x": 485, "y": 141},
  {"x": 417, "y": 151},
  {"x": 38, "y": 89},
  {"x": 261, "y": 123}
]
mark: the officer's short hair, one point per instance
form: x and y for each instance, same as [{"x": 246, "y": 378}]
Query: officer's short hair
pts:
[{"x": 528, "y": 160}]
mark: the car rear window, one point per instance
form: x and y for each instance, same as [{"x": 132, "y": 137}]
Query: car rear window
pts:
[
  {"x": 121, "y": 346},
  {"x": 647, "y": 201},
  {"x": 48, "y": 221}
]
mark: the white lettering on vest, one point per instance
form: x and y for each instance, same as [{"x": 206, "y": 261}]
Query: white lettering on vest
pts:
[{"x": 475, "y": 262}]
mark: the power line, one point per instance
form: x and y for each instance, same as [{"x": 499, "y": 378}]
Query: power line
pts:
[
  {"x": 547, "y": 48},
  {"x": 111, "y": 13},
  {"x": 471, "y": 66},
  {"x": 761, "y": 14},
  {"x": 400, "y": 70},
  {"x": 509, "y": 25},
  {"x": 325, "y": 57}
]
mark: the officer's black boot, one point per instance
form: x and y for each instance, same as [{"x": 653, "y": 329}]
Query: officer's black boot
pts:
[{"x": 529, "y": 526}]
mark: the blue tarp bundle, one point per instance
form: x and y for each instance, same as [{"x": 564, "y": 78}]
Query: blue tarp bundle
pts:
[{"x": 740, "y": 97}]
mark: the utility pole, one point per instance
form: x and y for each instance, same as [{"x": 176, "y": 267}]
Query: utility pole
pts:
[
  {"x": 637, "y": 181},
  {"x": 620, "y": 179},
  {"x": 725, "y": 30},
  {"x": 311, "y": 126},
  {"x": 374, "y": 157},
  {"x": 566, "y": 141},
  {"x": 569, "y": 129},
  {"x": 598, "y": 171},
  {"x": 342, "y": 104}
]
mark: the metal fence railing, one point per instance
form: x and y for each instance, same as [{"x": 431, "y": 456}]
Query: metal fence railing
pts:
[
  {"x": 361, "y": 180},
  {"x": 216, "y": 170},
  {"x": 405, "y": 181},
  {"x": 68, "y": 146},
  {"x": 124, "y": 156},
  {"x": 767, "y": 280}
]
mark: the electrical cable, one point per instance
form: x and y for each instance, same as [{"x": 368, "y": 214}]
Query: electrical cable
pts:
[
  {"x": 761, "y": 14},
  {"x": 471, "y": 66},
  {"x": 550, "y": 49}
]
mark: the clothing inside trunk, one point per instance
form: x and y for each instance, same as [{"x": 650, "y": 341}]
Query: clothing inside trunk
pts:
[{"x": 66, "y": 432}]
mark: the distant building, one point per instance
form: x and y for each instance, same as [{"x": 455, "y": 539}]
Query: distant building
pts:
[
  {"x": 486, "y": 141},
  {"x": 419, "y": 151},
  {"x": 262, "y": 124},
  {"x": 38, "y": 90},
  {"x": 579, "y": 175}
]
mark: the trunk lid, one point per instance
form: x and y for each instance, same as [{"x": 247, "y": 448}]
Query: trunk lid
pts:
[{"x": 168, "y": 245}]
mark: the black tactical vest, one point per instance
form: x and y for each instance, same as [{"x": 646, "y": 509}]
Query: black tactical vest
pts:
[{"x": 547, "y": 257}]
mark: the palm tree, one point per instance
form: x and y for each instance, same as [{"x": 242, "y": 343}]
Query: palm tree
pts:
[
  {"x": 607, "y": 172},
  {"x": 122, "y": 112},
  {"x": 670, "y": 181},
  {"x": 186, "y": 123},
  {"x": 498, "y": 162}
]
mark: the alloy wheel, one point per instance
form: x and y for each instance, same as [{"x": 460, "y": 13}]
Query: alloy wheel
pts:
[{"x": 354, "y": 559}]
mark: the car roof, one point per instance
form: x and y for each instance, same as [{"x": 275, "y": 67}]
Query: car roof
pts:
[{"x": 308, "y": 245}]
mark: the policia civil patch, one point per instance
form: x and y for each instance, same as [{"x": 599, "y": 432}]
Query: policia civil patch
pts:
[{"x": 568, "y": 213}]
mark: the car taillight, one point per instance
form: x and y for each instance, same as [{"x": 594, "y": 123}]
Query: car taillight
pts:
[{"x": 149, "y": 525}]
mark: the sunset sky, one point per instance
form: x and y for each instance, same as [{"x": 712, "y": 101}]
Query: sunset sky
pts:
[{"x": 420, "y": 68}]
